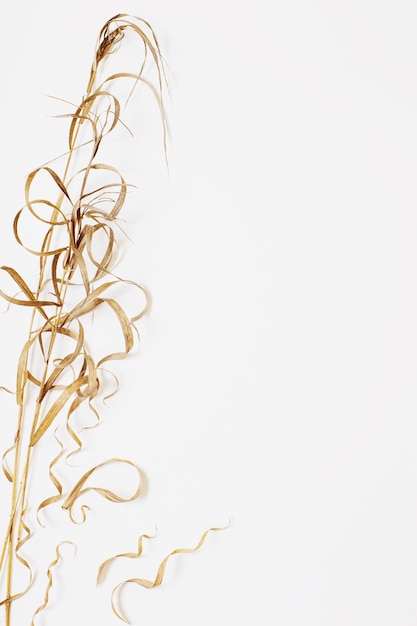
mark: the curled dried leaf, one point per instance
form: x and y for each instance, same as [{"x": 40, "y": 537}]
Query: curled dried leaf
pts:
[
  {"x": 129, "y": 555},
  {"x": 54, "y": 480},
  {"x": 54, "y": 563},
  {"x": 150, "y": 584},
  {"x": 111, "y": 496}
]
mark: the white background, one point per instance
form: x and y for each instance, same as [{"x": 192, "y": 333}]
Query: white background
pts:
[{"x": 276, "y": 380}]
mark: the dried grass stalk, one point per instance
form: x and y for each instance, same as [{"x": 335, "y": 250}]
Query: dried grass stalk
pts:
[
  {"x": 58, "y": 373},
  {"x": 75, "y": 279}
]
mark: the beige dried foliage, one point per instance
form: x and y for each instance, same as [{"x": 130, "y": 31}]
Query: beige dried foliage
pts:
[{"x": 58, "y": 373}]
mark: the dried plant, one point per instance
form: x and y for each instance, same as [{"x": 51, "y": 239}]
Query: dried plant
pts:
[{"x": 59, "y": 374}]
